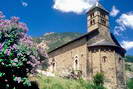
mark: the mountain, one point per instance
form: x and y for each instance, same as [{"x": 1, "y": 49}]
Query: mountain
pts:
[
  {"x": 54, "y": 40},
  {"x": 129, "y": 58}
]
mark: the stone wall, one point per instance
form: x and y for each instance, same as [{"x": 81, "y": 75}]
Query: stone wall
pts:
[
  {"x": 107, "y": 61},
  {"x": 120, "y": 71},
  {"x": 65, "y": 57}
]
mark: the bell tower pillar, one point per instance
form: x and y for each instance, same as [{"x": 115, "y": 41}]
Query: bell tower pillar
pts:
[{"x": 97, "y": 17}]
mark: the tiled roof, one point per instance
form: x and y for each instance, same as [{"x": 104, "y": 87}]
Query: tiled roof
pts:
[
  {"x": 98, "y": 5},
  {"x": 103, "y": 42}
]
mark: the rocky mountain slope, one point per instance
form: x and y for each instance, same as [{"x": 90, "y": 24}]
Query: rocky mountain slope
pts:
[{"x": 52, "y": 40}]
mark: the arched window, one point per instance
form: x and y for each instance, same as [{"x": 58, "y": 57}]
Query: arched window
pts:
[
  {"x": 53, "y": 64},
  {"x": 104, "y": 59},
  {"x": 120, "y": 60},
  {"x": 76, "y": 63},
  {"x": 93, "y": 21},
  {"x": 92, "y": 15}
]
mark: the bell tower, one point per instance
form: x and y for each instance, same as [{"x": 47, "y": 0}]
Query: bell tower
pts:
[{"x": 97, "y": 17}]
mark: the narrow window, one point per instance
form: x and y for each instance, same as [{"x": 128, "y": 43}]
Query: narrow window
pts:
[
  {"x": 53, "y": 65},
  {"x": 93, "y": 21},
  {"x": 104, "y": 59},
  {"x": 93, "y": 14},
  {"x": 76, "y": 64},
  {"x": 120, "y": 60}
]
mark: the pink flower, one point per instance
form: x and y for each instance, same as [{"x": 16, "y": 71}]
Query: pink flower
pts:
[
  {"x": 14, "y": 19},
  {"x": 23, "y": 26},
  {"x": 1, "y": 46},
  {"x": 15, "y": 60},
  {"x": 14, "y": 46},
  {"x": 14, "y": 64},
  {"x": 8, "y": 51},
  {"x": 1, "y": 15}
]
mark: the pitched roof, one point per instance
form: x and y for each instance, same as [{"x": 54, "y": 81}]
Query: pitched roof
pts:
[
  {"x": 106, "y": 40},
  {"x": 103, "y": 42},
  {"x": 98, "y": 5},
  {"x": 95, "y": 42},
  {"x": 84, "y": 35}
]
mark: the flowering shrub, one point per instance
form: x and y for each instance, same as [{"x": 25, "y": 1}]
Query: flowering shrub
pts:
[{"x": 18, "y": 55}]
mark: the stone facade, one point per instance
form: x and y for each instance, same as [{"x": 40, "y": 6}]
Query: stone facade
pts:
[
  {"x": 95, "y": 52},
  {"x": 65, "y": 57},
  {"x": 109, "y": 62}
]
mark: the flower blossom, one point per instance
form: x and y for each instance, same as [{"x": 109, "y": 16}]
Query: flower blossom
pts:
[
  {"x": 1, "y": 15},
  {"x": 14, "y": 19},
  {"x": 8, "y": 51},
  {"x": 15, "y": 60},
  {"x": 18, "y": 79}
]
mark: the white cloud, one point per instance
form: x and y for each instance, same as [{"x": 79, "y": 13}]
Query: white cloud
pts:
[
  {"x": 114, "y": 11},
  {"x": 125, "y": 20},
  {"x": 76, "y": 6},
  {"x": 118, "y": 30},
  {"x": 127, "y": 44},
  {"x": 25, "y": 4}
]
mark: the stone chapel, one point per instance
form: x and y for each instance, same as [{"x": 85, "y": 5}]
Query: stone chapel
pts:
[{"x": 97, "y": 51}]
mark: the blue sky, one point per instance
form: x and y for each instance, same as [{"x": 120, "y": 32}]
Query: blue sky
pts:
[{"x": 44, "y": 16}]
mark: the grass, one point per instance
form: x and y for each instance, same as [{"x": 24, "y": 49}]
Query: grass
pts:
[
  {"x": 130, "y": 83},
  {"x": 61, "y": 83}
]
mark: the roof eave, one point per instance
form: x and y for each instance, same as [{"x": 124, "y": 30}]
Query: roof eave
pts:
[{"x": 108, "y": 46}]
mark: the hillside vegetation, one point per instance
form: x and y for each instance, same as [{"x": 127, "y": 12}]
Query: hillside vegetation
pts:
[
  {"x": 65, "y": 83},
  {"x": 62, "y": 83},
  {"x": 55, "y": 40},
  {"x": 129, "y": 58}
]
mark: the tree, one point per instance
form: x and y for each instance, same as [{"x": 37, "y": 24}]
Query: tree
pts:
[
  {"x": 18, "y": 54},
  {"x": 98, "y": 81}
]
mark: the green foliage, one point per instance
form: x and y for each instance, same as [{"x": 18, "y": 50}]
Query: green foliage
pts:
[
  {"x": 130, "y": 83},
  {"x": 84, "y": 83},
  {"x": 18, "y": 55},
  {"x": 129, "y": 67},
  {"x": 98, "y": 81},
  {"x": 129, "y": 58},
  {"x": 55, "y": 40},
  {"x": 61, "y": 83}
]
